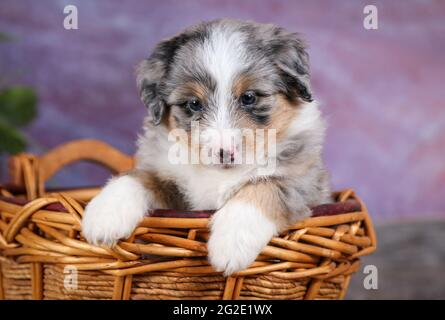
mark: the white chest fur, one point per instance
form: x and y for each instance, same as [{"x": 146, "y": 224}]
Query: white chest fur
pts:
[{"x": 206, "y": 187}]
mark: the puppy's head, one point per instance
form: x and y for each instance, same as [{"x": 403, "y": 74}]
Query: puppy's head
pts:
[{"x": 229, "y": 76}]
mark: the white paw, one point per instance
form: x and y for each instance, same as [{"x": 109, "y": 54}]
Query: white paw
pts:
[
  {"x": 239, "y": 231},
  {"x": 115, "y": 212}
]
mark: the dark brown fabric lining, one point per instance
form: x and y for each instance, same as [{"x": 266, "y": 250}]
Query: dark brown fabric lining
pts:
[{"x": 321, "y": 210}]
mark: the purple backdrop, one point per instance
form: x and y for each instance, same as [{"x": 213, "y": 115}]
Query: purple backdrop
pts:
[{"x": 381, "y": 90}]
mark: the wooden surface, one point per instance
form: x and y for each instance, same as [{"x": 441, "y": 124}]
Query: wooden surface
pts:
[{"x": 410, "y": 261}]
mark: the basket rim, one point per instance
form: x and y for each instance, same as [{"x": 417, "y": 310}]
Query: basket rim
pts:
[
  {"x": 327, "y": 209},
  {"x": 180, "y": 250}
]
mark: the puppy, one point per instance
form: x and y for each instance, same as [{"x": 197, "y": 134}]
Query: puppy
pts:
[{"x": 225, "y": 76}]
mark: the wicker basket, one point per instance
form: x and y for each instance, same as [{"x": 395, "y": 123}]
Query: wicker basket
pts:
[{"x": 44, "y": 256}]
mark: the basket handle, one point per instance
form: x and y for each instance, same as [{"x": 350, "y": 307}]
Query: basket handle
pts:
[{"x": 50, "y": 163}]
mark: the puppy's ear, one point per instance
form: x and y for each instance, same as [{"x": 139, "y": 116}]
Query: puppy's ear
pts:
[
  {"x": 292, "y": 60},
  {"x": 151, "y": 73}
]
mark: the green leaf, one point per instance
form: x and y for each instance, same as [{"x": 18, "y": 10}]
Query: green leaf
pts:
[
  {"x": 18, "y": 105},
  {"x": 4, "y": 37},
  {"x": 11, "y": 141}
]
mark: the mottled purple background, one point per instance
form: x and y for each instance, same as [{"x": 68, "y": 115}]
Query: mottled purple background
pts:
[{"x": 382, "y": 91}]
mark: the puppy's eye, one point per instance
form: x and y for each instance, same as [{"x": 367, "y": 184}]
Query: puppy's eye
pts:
[
  {"x": 248, "y": 98},
  {"x": 194, "y": 105}
]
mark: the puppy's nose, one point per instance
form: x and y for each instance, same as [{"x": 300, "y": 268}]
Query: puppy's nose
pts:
[{"x": 226, "y": 156}]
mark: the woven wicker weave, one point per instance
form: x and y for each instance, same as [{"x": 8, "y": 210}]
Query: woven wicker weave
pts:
[{"x": 166, "y": 257}]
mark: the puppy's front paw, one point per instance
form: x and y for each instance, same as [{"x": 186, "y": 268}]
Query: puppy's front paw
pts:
[
  {"x": 115, "y": 212},
  {"x": 239, "y": 231}
]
